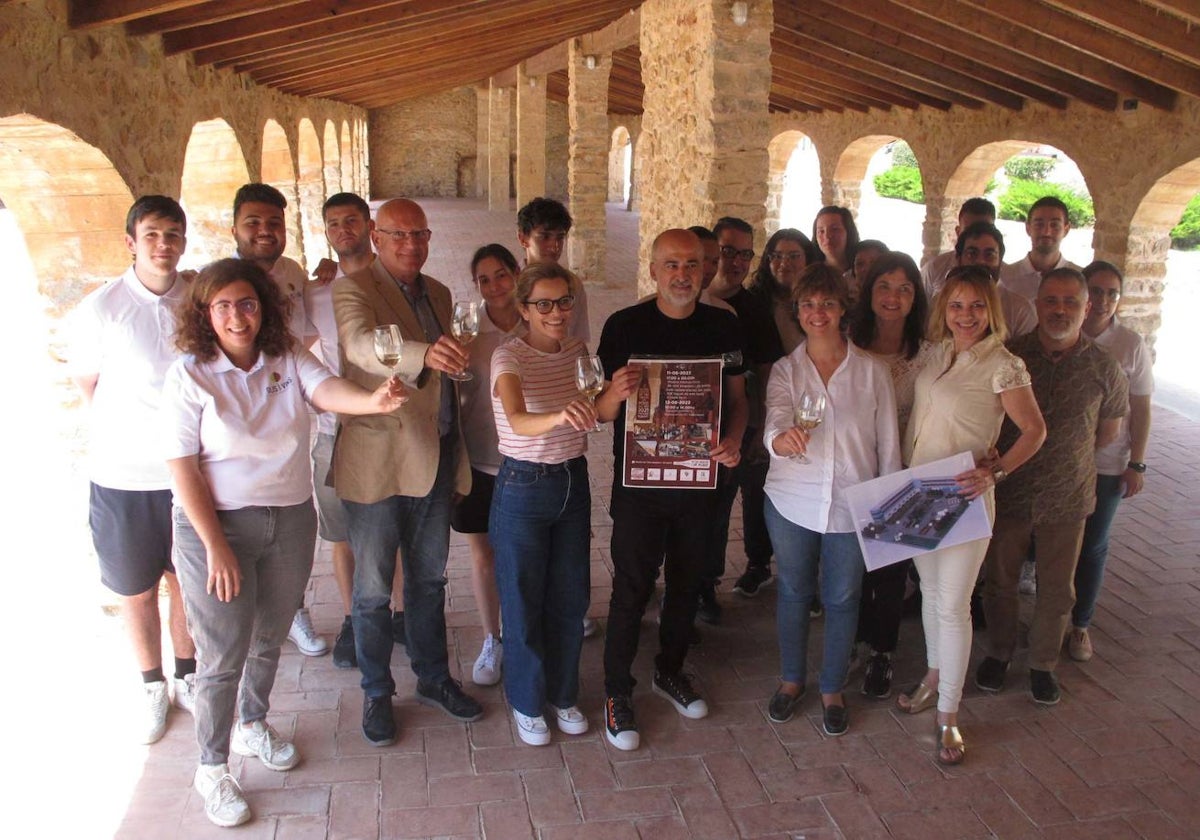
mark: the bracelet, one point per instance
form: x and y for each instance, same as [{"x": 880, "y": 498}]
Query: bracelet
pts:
[
  {"x": 1137, "y": 466},
  {"x": 998, "y": 473}
]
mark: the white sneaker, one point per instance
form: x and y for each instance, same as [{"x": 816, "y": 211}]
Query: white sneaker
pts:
[
  {"x": 533, "y": 730},
  {"x": 259, "y": 739},
  {"x": 304, "y": 637},
  {"x": 590, "y": 626},
  {"x": 570, "y": 720},
  {"x": 224, "y": 804},
  {"x": 185, "y": 694},
  {"x": 157, "y": 703},
  {"x": 1028, "y": 584},
  {"x": 488, "y": 663}
]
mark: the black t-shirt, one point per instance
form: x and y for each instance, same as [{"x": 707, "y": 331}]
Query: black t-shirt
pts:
[
  {"x": 643, "y": 330},
  {"x": 755, "y": 313}
]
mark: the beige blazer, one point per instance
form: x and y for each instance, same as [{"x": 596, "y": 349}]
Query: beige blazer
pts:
[{"x": 381, "y": 455}]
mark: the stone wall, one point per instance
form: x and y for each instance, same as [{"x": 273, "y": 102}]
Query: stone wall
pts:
[
  {"x": 557, "y": 130},
  {"x": 419, "y": 146}
]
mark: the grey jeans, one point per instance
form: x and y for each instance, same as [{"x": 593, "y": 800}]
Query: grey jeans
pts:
[{"x": 237, "y": 643}]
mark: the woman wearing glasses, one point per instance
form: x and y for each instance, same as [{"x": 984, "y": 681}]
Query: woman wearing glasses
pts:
[
  {"x": 831, "y": 423},
  {"x": 237, "y": 421},
  {"x": 540, "y": 524}
]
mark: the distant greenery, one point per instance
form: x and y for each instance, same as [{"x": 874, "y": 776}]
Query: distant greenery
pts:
[
  {"x": 1014, "y": 203},
  {"x": 1029, "y": 168},
  {"x": 903, "y": 182},
  {"x": 1186, "y": 235},
  {"x": 902, "y": 155}
]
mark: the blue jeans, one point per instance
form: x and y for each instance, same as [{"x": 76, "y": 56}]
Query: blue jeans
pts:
[
  {"x": 1093, "y": 554},
  {"x": 540, "y": 530},
  {"x": 801, "y": 557},
  {"x": 419, "y": 528}
]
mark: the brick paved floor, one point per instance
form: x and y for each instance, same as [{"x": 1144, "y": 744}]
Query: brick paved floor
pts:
[{"x": 1117, "y": 758}]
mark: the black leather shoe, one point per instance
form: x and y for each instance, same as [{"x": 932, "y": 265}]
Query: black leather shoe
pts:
[
  {"x": 1044, "y": 686},
  {"x": 449, "y": 697},
  {"x": 343, "y": 647},
  {"x": 379, "y": 722},
  {"x": 990, "y": 675},
  {"x": 836, "y": 720},
  {"x": 782, "y": 706}
]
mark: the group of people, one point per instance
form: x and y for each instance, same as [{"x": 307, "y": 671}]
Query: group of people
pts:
[{"x": 489, "y": 438}]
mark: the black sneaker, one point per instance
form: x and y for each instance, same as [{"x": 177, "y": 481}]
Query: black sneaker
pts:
[
  {"x": 709, "y": 610},
  {"x": 835, "y": 720},
  {"x": 620, "y": 726},
  {"x": 343, "y": 646},
  {"x": 379, "y": 722},
  {"x": 877, "y": 681},
  {"x": 678, "y": 689},
  {"x": 1044, "y": 686},
  {"x": 399, "y": 637},
  {"x": 782, "y": 706},
  {"x": 753, "y": 579},
  {"x": 990, "y": 674},
  {"x": 449, "y": 697}
]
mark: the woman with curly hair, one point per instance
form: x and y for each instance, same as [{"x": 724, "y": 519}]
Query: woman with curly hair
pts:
[{"x": 236, "y": 416}]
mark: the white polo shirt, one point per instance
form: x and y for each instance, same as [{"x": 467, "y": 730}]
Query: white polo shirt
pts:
[
  {"x": 125, "y": 334},
  {"x": 292, "y": 279},
  {"x": 1131, "y": 353},
  {"x": 318, "y": 305},
  {"x": 1022, "y": 278},
  {"x": 250, "y": 428}
]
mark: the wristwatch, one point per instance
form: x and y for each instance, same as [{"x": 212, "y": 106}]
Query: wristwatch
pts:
[
  {"x": 1137, "y": 466},
  {"x": 998, "y": 472}
]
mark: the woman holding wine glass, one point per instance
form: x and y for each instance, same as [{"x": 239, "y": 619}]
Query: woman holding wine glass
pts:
[
  {"x": 540, "y": 522},
  {"x": 235, "y": 411},
  {"x": 830, "y": 424}
]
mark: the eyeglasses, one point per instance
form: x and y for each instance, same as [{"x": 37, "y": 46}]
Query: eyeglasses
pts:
[
  {"x": 785, "y": 256},
  {"x": 729, "y": 252},
  {"x": 224, "y": 308},
  {"x": 1097, "y": 292},
  {"x": 405, "y": 235},
  {"x": 544, "y": 305}
]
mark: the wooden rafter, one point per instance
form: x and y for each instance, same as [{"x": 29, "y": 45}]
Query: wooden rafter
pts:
[
  {"x": 1150, "y": 27},
  {"x": 88, "y": 13},
  {"x": 196, "y": 14}
]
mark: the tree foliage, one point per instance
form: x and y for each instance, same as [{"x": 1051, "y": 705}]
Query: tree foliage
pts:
[
  {"x": 1014, "y": 203},
  {"x": 1186, "y": 235},
  {"x": 1029, "y": 168},
  {"x": 903, "y": 182}
]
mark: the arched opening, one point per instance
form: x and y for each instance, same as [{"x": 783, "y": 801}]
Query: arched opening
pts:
[
  {"x": 347, "y": 160},
  {"x": 620, "y": 165},
  {"x": 1160, "y": 279},
  {"x": 362, "y": 158},
  {"x": 793, "y": 182},
  {"x": 310, "y": 190},
  {"x": 279, "y": 171},
  {"x": 1013, "y": 174},
  {"x": 886, "y": 216},
  {"x": 64, "y": 197},
  {"x": 213, "y": 169}
]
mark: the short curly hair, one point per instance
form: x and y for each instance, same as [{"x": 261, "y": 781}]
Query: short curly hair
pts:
[{"x": 195, "y": 334}]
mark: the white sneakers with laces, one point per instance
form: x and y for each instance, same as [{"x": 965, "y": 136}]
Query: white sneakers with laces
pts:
[
  {"x": 224, "y": 804},
  {"x": 184, "y": 696},
  {"x": 157, "y": 703},
  {"x": 570, "y": 720},
  {"x": 259, "y": 739},
  {"x": 304, "y": 637},
  {"x": 532, "y": 730},
  {"x": 489, "y": 662}
]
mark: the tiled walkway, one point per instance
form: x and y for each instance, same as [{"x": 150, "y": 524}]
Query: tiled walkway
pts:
[{"x": 1117, "y": 758}]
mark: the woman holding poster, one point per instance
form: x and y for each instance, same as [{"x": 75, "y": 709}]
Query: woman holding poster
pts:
[
  {"x": 830, "y": 424},
  {"x": 962, "y": 396}
]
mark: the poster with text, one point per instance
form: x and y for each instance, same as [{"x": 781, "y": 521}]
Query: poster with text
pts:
[
  {"x": 915, "y": 511},
  {"x": 672, "y": 424}
]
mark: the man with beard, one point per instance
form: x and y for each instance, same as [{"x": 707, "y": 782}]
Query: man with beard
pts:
[
  {"x": 1047, "y": 224},
  {"x": 1083, "y": 394},
  {"x": 981, "y": 243}
]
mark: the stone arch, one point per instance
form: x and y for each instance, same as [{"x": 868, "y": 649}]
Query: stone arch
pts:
[
  {"x": 1148, "y": 246},
  {"x": 68, "y": 201},
  {"x": 279, "y": 170},
  {"x": 855, "y": 165},
  {"x": 792, "y": 160},
  {"x": 347, "y": 159},
  {"x": 620, "y": 165},
  {"x": 213, "y": 169},
  {"x": 310, "y": 192}
]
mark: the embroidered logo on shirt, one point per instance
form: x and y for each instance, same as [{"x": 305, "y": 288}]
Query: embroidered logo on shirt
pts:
[{"x": 279, "y": 384}]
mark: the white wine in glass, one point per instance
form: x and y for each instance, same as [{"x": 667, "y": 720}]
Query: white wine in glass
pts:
[
  {"x": 809, "y": 413},
  {"x": 589, "y": 379},
  {"x": 464, "y": 326},
  {"x": 389, "y": 345}
]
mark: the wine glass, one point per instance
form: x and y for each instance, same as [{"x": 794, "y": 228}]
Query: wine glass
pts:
[
  {"x": 589, "y": 379},
  {"x": 389, "y": 345},
  {"x": 464, "y": 326},
  {"x": 810, "y": 411}
]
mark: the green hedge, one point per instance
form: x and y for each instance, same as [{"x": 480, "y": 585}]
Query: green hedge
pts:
[
  {"x": 1029, "y": 168},
  {"x": 1186, "y": 235},
  {"x": 1014, "y": 203},
  {"x": 902, "y": 182}
]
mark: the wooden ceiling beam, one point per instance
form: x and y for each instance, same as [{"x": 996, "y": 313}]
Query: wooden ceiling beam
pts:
[
  {"x": 207, "y": 11},
  {"x": 815, "y": 49},
  {"x": 821, "y": 98},
  {"x": 1187, "y": 10},
  {"x": 896, "y": 93},
  {"x": 1143, "y": 63},
  {"x": 885, "y": 47},
  {"x": 1136, "y": 20},
  {"x": 790, "y": 102},
  {"x": 1019, "y": 39},
  {"x": 821, "y": 83},
  {"x": 86, "y": 14}
]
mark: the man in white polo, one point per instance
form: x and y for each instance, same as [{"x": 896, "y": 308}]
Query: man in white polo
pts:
[{"x": 1047, "y": 224}]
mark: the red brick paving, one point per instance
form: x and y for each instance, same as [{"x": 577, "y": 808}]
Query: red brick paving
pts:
[{"x": 1117, "y": 758}]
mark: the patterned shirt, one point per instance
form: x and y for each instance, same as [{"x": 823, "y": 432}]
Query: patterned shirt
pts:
[{"x": 1083, "y": 387}]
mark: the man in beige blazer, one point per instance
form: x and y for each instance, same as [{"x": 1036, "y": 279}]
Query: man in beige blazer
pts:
[{"x": 397, "y": 473}]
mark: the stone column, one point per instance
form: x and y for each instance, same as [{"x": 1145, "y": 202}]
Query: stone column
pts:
[
  {"x": 531, "y": 136},
  {"x": 481, "y": 141},
  {"x": 499, "y": 111},
  {"x": 1145, "y": 266},
  {"x": 587, "y": 161},
  {"x": 705, "y": 125},
  {"x": 847, "y": 194},
  {"x": 941, "y": 217}
]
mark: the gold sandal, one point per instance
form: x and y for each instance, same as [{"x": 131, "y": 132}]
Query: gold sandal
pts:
[
  {"x": 920, "y": 697},
  {"x": 949, "y": 738}
]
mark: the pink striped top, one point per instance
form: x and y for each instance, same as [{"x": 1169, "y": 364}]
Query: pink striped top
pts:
[{"x": 548, "y": 383}]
